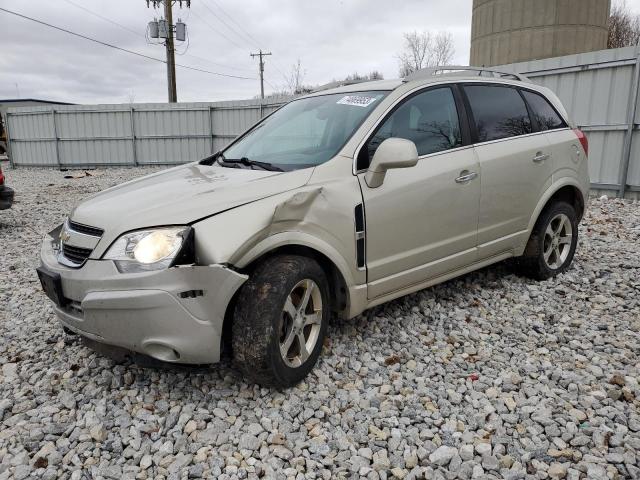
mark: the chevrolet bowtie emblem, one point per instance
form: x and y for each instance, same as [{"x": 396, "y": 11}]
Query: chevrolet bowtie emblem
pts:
[{"x": 65, "y": 235}]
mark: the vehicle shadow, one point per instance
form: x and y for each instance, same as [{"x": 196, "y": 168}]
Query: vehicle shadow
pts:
[
  {"x": 485, "y": 278},
  {"x": 121, "y": 356},
  {"x": 139, "y": 364}
]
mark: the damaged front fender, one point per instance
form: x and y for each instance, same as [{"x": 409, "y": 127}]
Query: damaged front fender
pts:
[{"x": 319, "y": 217}]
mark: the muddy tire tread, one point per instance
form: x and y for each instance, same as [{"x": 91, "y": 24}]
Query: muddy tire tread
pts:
[{"x": 260, "y": 300}]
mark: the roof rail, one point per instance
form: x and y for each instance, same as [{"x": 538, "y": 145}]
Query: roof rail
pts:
[
  {"x": 448, "y": 69},
  {"x": 338, "y": 83}
]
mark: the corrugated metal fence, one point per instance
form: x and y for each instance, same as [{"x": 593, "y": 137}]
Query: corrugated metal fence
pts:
[
  {"x": 140, "y": 134},
  {"x": 599, "y": 89}
]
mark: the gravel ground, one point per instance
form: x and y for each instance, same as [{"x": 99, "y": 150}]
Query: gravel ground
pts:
[{"x": 487, "y": 376}]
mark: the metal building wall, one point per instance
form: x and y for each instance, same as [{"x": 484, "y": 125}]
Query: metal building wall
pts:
[
  {"x": 600, "y": 92},
  {"x": 77, "y": 136},
  {"x": 599, "y": 89}
]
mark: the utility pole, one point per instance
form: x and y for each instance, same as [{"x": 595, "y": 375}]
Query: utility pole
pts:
[
  {"x": 165, "y": 29},
  {"x": 171, "y": 58},
  {"x": 261, "y": 68}
]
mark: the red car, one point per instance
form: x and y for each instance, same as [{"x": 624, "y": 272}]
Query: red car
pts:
[{"x": 6, "y": 193}]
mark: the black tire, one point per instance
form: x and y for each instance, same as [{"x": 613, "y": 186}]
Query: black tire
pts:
[
  {"x": 259, "y": 320},
  {"x": 532, "y": 263}
]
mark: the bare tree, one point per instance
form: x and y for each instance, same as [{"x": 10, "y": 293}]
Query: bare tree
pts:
[
  {"x": 295, "y": 81},
  {"x": 624, "y": 26},
  {"x": 296, "y": 78},
  {"x": 425, "y": 49},
  {"x": 443, "y": 50},
  {"x": 414, "y": 55},
  {"x": 356, "y": 77}
]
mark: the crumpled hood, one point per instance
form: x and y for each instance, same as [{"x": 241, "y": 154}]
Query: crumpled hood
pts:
[{"x": 181, "y": 195}]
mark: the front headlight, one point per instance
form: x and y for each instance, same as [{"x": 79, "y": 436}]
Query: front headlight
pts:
[{"x": 146, "y": 250}]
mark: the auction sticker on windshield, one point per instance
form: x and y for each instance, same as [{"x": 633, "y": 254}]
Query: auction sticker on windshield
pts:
[{"x": 356, "y": 100}]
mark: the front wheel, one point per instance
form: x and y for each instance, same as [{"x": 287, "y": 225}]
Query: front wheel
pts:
[
  {"x": 552, "y": 244},
  {"x": 280, "y": 320}
]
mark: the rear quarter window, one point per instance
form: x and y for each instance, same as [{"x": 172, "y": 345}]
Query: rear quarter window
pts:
[
  {"x": 547, "y": 118},
  {"x": 499, "y": 112}
]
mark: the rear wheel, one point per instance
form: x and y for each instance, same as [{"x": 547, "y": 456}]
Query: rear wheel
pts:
[
  {"x": 552, "y": 244},
  {"x": 280, "y": 320}
]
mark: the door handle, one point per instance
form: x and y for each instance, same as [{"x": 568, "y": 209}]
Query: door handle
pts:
[
  {"x": 540, "y": 157},
  {"x": 466, "y": 176}
]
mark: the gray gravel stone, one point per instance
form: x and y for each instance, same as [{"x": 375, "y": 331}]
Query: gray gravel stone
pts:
[
  {"x": 466, "y": 452},
  {"x": 443, "y": 455},
  {"x": 249, "y": 442},
  {"x": 21, "y": 472},
  {"x": 483, "y": 449},
  {"x": 541, "y": 377}
]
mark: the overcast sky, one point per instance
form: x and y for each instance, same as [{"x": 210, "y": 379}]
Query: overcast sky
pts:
[{"x": 332, "y": 38}]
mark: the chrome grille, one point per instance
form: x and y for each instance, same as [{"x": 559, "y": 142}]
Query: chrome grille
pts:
[
  {"x": 86, "y": 229},
  {"x": 77, "y": 241},
  {"x": 75, "y": 255}
]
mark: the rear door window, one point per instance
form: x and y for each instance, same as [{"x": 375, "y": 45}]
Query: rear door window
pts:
[
  {"x": 499, "y": 112},
  {"x": 545, "y": 115}
]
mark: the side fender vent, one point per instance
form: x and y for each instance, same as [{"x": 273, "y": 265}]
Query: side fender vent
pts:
[
  {"x": 191, "y": 294},
  {"x": 360, "y": 236}
]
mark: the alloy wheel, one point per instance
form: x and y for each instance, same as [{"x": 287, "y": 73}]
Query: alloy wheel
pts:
[
  {"x": 301, "y": 322},
  {"x": 557, "y": 241}
]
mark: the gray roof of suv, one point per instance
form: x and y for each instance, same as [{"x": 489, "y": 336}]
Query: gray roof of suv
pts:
[
  {"x": 384, "y": 85},
  {"x": 388, "y": 85}
]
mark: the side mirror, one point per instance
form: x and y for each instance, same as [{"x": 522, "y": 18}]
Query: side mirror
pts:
[{"x": 392, "y": 153}]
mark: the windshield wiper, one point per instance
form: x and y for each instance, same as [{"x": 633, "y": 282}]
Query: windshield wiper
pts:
[
  {"x": 219, "y": 157},
  {"x": 210, "y": 159},
  {"x": 249, "y": 163}
]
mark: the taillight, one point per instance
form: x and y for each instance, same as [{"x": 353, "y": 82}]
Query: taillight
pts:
[
  {"x": 1, "y": 177},
  {"x": 584, "y": 141}
]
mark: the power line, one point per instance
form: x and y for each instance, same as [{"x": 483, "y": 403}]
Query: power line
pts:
[
  {"x": 256, "y": 42},
  {"x": 284, "y": 75},
  {"x": 246, "y": 33},
  {"x": 221, "y": 20},
  {"x": 100, "y": 42},
  {"x": 270, "y": 84},
  {"x": 217, "y": 31},
  {"x": 190, "y": 55},
  {"x": 212, "y": 73},
  {"x": 104, "y": 18},
  {"x": 81, "y": 36},
  {"x": 247, "y": 37}
]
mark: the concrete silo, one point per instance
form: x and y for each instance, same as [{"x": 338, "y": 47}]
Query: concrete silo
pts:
[{"x": 509, "y": 31}]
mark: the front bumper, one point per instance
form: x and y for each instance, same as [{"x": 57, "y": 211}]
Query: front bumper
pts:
[
  {"x": 6, "y": 197},
  {"x": 174, "y": 315}
]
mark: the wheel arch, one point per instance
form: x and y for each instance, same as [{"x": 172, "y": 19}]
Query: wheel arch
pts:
[
  {"x": 334, "y": 265},
  {"x": 335, "y": 277},
  {"x": 567, "y": 191}
]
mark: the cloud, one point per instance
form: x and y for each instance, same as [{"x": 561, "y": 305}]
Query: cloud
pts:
[{"x": 333, "y": 38}]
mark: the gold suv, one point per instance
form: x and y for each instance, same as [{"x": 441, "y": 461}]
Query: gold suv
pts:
[{"x": 339, "y": 201}]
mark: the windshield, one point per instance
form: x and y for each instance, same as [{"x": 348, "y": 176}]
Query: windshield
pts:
[{"x": 305, "y": 132}]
